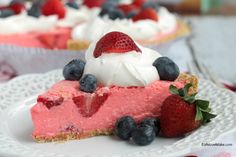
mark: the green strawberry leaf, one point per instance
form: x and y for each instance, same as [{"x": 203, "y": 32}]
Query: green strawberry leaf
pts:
[
  {"x": 207, "y": 110},
  {"x": 199, "y": 115},
  {"x": 207, "y": 117},
  {"x": 173, "y": 90},
  {"x": 181, "y": 92},
  {"x": 186, "y": 87},
  {"x": 203, "y": 104},
  {"x": 191, "y": 98}
]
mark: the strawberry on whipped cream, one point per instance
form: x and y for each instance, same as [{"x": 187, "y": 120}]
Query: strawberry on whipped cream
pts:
[
  {"x": 30, "y": 28},
  {"x": 139, "y": 30},
  {"x": 27, "y": 24},
  {"x": 125, "y": 69}
]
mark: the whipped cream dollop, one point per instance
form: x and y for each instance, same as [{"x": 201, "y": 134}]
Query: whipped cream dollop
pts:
[
  {"x": 139, "y": 30},
  {"x": 22, "y": 23},
  {"x": 76, "y": 16},
  {"x": 124, "y": 69}
]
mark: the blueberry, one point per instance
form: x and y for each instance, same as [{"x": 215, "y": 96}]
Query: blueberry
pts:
[
  {"x": 153, "y": 122},
  {"x": 104, "y": 12},
  {"x": 132, "y": 14},
  {"x": 88, "y": 83},
  {"x": 72, "y": 4},
  {"x": 143, "y": 135},
  {"x": 35, "y": 9},
  {"x": 74, "y": 70},
  {"x": 107, "y": 7},
  {"x": 17, "y": 1},
  {"x": 109, "y": 4},
  {"x": 167, "y": 69},
  {"x": 6, "y": 13},
  {"x": 151, "y": 4},
  {"x": 116, "y": 14},
  {"x": 124, "y": 127}
]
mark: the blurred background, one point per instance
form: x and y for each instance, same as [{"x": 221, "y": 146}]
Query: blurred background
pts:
[
  {"x": 219, "y": 7},
  {"x": 212, "y": 39}
]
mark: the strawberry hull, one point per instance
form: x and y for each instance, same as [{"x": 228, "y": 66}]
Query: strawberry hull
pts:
[{"x": 83, "y": 114}]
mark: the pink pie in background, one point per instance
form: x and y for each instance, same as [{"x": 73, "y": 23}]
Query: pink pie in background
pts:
[
  {"x": 145, "y": 21},
  {"x": 41, "y": 24},
  {"x": 55, "y": 25}
]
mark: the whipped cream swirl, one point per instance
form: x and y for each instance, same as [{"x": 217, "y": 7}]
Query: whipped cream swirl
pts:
[
  {"x": 139, "y": 30},
  {"x": 125, "y": 69},
  {"x": 22, "y": 23}
]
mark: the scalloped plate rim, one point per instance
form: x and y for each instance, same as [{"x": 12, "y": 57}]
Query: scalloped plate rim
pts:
[{"x": 182, "y": 152}]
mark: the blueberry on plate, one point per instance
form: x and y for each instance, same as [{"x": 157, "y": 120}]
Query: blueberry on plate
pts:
[
  {"x": 116, "y": 14},
  {"x": 153, "y": 122},
  {"x": 143, "y": 135},
  {"x": 35, "y": 9},
  {"x": 124, "y": 127},
  {"x": 6, "y": 13},
  {"x": 88, "y": 83},
  {"x": 167, "y": 69},
  {"x": 72, "y": 4},
  {"x": 74, "y": 70}
]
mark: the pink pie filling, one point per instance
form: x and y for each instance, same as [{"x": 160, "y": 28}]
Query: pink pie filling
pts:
[
  {"x": 57, "y": 37},
  {"x": 65, "y": 108}
]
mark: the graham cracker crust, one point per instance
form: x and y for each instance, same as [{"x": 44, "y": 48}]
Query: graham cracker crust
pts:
[
  {"x": 71, "y": 136},
  {"x": 182, "y": 30},
  {"x": 183, "y": 78},
  {"x": 77, "y": 44},
  {"x": 186, "y": 78}
]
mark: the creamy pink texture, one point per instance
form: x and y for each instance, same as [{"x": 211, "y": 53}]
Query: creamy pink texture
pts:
[
  {"x": 60, "y": 37},
  {"x": 138, "y": 102}
]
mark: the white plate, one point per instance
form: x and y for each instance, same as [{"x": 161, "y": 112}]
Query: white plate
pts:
[{"x": 19, "y": 95}]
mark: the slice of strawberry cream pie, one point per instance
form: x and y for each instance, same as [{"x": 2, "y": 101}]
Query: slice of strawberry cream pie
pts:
[{"x": 119, "y": 78}]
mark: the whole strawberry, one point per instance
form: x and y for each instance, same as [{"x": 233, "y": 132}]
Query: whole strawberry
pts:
[
  {"x": 17, "y": 6},
  {"x": 138, "y": 3},
  {"x": 181, "y": 113},
  {"x": 144, "y": 14},
  {"x": 93, "y": 3},
  {"x": 53, "y": 7}
]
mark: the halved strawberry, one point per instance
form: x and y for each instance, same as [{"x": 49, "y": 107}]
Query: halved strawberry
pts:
[
  {"x": 139, "y": 3},
  {"x": 90, "y": 103},
  {"x": 127, "y": 8},
  {"x": 148, "y": 13},
  {"x": 53, "y": 7},
  {"x": 181, "y": 113},
  {"x": 93, "y": 3},
  {"x": 17, "y": 7},
  {"x": 51, "y": 101},
  {"x": 115, "y": 42}
]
